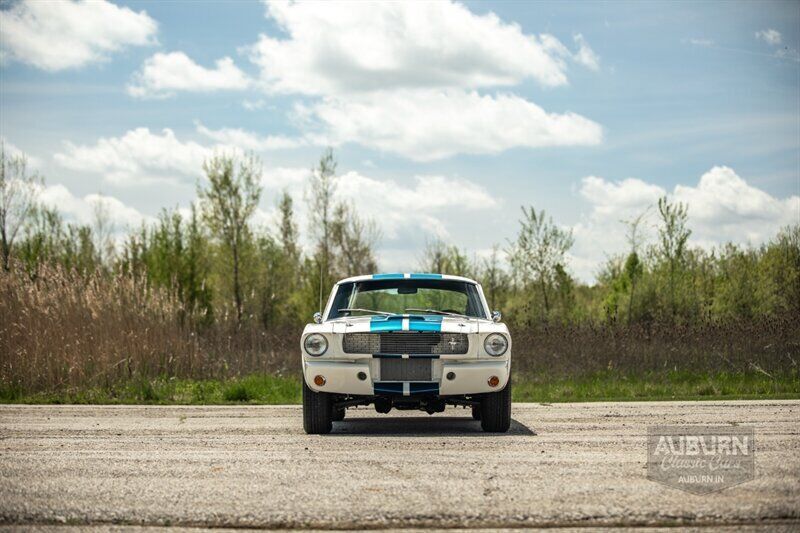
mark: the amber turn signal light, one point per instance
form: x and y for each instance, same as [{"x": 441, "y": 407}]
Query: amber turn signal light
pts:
[
  {"x": 319, "y": 381},
  {"x": 494, "y": 381}
]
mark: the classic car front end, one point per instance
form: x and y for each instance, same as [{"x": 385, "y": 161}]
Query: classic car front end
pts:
[{"x": 406, "y": 341}]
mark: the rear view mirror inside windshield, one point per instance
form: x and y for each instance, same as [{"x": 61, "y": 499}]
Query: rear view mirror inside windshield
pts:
[{"x": 406, "y": 290}]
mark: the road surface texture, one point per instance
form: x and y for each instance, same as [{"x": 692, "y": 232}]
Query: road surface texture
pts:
[{"x": 560, "y": 465}]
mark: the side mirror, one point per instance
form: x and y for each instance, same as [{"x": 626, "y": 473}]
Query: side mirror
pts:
[
  {"x": 318, "y": 317},
  {"x": 496, "y": 316}
]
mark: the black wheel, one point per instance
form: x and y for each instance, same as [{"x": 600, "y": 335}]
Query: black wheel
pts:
[
  {"x": 496, "y": 410},
  {"x": 476, "y": 412},
  {"x": 317, "y": 411},
  {"x": 338, "y": 414}
]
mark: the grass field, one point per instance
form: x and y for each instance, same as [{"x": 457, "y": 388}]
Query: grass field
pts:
[{"x": 268, "y": 389}]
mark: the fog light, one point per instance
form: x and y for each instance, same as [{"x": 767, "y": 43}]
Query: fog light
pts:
[
  {"x": 451, "y": 376},
  {"x": 319, "y": 381},
  {"x": 494, "y": 381},
  {"x": 362, "y": 376}
]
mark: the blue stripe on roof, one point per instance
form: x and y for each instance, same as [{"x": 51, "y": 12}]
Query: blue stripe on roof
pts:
[
  {"x": 388, "y": 276},
  {"x": 426, "y": 276}
]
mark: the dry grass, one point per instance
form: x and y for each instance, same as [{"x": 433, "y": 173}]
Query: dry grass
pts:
[
  {"x": 66, "y": 332},
  {"x": 768, "y": 345}
]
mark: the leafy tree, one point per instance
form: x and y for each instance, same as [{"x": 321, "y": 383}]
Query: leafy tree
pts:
[
  {"x": 18, "y": 191},
  {"x": 228, "y": 203},
  {"x": 288, "y": 228},
  {"x": 354, "y": 241},
  {"x": 540, "y": 246},
  {"x": 673, "y": 235},
  {"x": 322, "y": 205}
]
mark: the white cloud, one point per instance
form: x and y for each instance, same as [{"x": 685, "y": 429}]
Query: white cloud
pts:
[
  {"x": 585, "y": 55},
  {"x": 139, "y": 156},
  {"x": 406, "y": 211},
  {"x": 769, "y": 36},
  {"x": 60, "y": 35},
  {"x": 249, "y": 141},
  {"x": 347, "y": 47},
  {"x": 254, "y": 105},
  {"x": 701, "y": 41},
  {"x": 285, "y": 177},
  {"x": 427, "y": 124},
  {"x": 722, "y": 208},
  {"x": 81, "y": 210},
  {"x": 163, "y": 74},
  {"x": 621, "y": 199},
  {"x": 423, "y": 205}
]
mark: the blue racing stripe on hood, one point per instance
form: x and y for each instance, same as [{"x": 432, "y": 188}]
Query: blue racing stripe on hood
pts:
[
  {"x": 386, "y": 323},
  {"x": 425, "y": 323}
]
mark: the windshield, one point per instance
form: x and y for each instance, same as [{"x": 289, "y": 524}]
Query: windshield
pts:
[{"x": 407, "y": 296}]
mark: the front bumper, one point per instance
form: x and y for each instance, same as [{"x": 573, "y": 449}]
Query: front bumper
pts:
[{"x": 471, "y": 377}]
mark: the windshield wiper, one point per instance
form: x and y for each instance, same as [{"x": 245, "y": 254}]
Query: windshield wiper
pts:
[
  {"x": 351, "y": 309},
  {"x": 436, "y": 312}
]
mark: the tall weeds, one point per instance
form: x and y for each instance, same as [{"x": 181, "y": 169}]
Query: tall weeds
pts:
[{"x": 64, "y": 330}]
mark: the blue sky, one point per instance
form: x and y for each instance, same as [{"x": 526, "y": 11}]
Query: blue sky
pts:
[{"x": 445, "y": 117}]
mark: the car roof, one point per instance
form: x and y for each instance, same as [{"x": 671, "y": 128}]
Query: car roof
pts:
[{"x": 407, "y": 275}]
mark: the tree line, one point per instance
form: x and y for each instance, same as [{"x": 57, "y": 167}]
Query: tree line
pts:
[{"x": 218, "y": 264}]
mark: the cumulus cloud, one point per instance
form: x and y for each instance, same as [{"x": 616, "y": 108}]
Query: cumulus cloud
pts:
[
  {"x": 347, "y": 47},
  {"x": 285, "y": 178},
  {"x": 769, "y": 36},
  {"x": 428, "y": 124},
  {"x": 139, "y": 156},
  {"x": 248, "y": 140},
  {"x": 163, "y": 74},
  {"x": 722, "y": 207},
  {"x": 60, "y": 35},
  {"x": 82, "y": 210}
]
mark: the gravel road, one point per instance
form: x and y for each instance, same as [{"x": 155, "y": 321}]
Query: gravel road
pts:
[{"x": 560, "y": 465}]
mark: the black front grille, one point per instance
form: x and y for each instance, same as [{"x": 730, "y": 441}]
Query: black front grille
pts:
[
  {"x": 405, "y": 369},
  {"x": 406, "y": 343}
]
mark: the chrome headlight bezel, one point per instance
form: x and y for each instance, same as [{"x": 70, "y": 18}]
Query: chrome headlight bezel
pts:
[
  {"x": 495, "y": 350},
  {"x": 317, "y": 339}
]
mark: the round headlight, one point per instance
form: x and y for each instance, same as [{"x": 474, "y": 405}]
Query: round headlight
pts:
[
  {"x": 495, "y": 344},
  {"x": 315, "y": 344}
]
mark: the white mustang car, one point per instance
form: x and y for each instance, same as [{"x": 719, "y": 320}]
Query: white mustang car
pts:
[{"x": 408, "y": 341}]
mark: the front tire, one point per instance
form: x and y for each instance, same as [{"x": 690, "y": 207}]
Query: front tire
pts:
[
  {"x": 496, "y": 410},
  {"x": 476, "y": 412},
  {"x": 317, "y": 411}
]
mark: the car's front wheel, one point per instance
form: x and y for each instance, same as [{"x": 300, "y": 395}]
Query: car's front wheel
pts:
[
  {"x": 476, "y": 412},
  {"x": 496, "y": 410},
  {"x": 317, "y": 411}
]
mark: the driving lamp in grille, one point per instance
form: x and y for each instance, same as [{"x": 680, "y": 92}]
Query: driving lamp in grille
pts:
[
  {"x": 315, "y": 344},
  {"x": 495, "y": 345}
]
